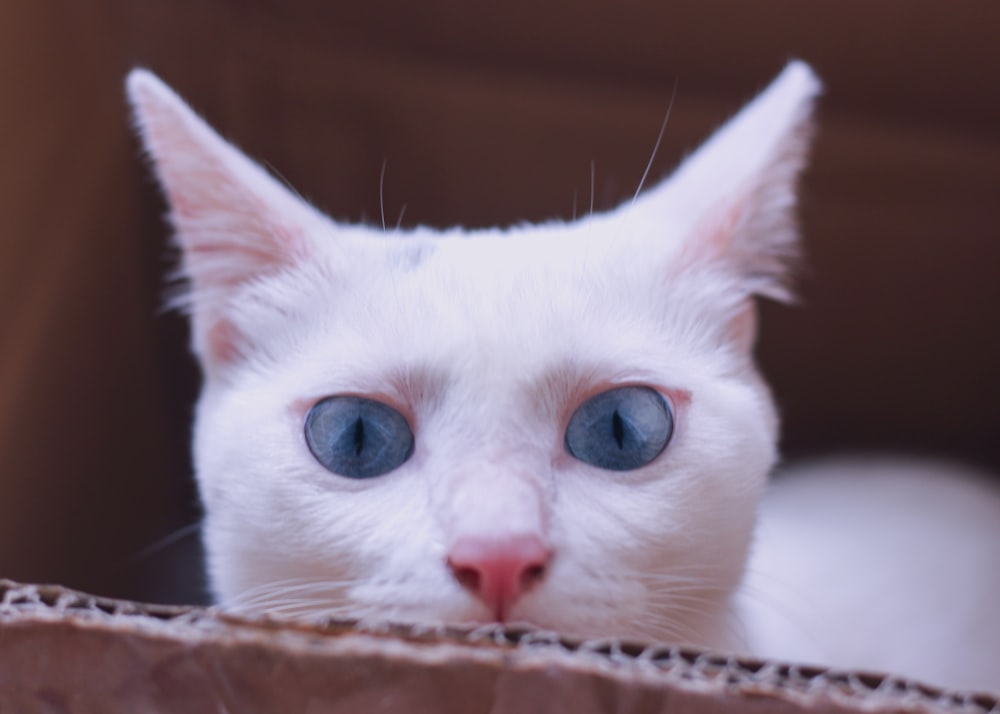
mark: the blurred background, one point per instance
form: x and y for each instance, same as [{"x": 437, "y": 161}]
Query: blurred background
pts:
[{"x": 486, "y": 113}]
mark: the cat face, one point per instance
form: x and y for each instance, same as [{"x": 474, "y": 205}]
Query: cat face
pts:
[{"x": 557, "y": 424}]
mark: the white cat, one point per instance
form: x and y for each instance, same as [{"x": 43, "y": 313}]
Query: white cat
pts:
[{"x": 559, "y": 424}]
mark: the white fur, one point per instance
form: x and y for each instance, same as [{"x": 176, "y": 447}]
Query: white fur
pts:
[
  {"x": 883, "y": 564},
  {"x": 487, "y": 341}
]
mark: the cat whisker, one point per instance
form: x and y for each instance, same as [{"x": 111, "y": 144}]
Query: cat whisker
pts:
[
  {"x": 285, "y": 181},
  {"x": 656, "y": 146},
  {"x": 381, "y": 199},
  {"x": 310, "y": 607},
  {"x": 693, "y": 574},
  {"x": 591, "y": 187},
  {"x": 673, "y": 600},
  {"x": 682, "y": 601},
  {"x": 274, "y": 599},
  {"x": 679, "y": 603},
  {"x": 696, "y": 585},
  {"x": 399, "y": 220},
  {"x": 665, "y": 629},
  {"x": 782, "y": 608},
  {"x": 685, "y": 589},
  {"x": 284, "y": 583},
  {"x": 669, "y": 628},
  {"x": 279, "y": 591},
  {"x": 769, "y": 596},
  {"x": 165, "y": 542},
  {"x": 686, "y": 602},
  {"x": 278, "y": 596},
  {"x": 687, "y": 572}
]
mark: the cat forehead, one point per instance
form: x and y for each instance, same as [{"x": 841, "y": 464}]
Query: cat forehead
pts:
[
  {"x": 493, "y": 257},
  {"x": 530, "y": 299},
  {"x": 514, "y": 280}
]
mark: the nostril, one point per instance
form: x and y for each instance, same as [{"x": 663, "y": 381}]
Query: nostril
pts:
[
  {"x": 532, "y": 574},
  {"x": 468, "y": 577}
]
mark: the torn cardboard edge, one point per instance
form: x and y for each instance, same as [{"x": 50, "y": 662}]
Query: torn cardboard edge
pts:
[{"x": 66, "y": 651}]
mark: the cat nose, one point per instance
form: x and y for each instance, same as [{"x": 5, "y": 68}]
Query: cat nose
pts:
[{"x": 499, "y": 571}]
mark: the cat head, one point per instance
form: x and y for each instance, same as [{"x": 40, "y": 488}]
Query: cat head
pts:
[{"x": 559, "y": 424}]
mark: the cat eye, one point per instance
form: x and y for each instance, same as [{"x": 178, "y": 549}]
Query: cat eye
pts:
[
  {"x": 621, "y": 429},
  {"x": 357, "y": 437}
]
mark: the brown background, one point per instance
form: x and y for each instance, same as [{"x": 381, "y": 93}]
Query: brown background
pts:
[{"x": 486, "y": 113}]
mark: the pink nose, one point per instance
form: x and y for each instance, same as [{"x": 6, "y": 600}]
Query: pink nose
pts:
[{"x": 499, "y": 571}]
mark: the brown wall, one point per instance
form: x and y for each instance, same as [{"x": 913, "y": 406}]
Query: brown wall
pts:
[{"x": 487, "y": 113}]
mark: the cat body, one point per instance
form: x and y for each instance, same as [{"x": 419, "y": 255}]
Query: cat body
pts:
[
  {"x": 883, "y": 564},
  {"x": 558, "y": 424}
]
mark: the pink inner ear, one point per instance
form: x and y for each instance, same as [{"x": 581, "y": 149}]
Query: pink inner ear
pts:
[
  {"x": 742, "y": 329},
  {"x": 223, "y": 343},
  {"x": 218, "y": 219},
  {"x": 714, "y": 238},
  {"x": 711, "y": 240},
  {"x": 225, "y": 207},
  {"x": 243, "y": 234}
]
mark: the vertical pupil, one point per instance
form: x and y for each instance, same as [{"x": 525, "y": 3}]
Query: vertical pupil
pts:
[
  {"x": 359, "y": 436},
  {"x": 618, "y": 429}
]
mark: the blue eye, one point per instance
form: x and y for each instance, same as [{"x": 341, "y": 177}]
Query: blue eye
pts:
[
  {"x": 357, "y": 437},
  {"x": 621, "y": 429}
]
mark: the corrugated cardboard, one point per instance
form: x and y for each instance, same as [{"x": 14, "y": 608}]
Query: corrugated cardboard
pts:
[{"x": 67, "y": 652}]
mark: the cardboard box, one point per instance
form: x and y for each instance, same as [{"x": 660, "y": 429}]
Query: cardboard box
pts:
[{"x": 68, "y": 652}]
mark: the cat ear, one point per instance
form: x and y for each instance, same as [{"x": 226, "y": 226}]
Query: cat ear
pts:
[
  {"x": 234, "y": 222},
  {"x": 737, "y": 193}
]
